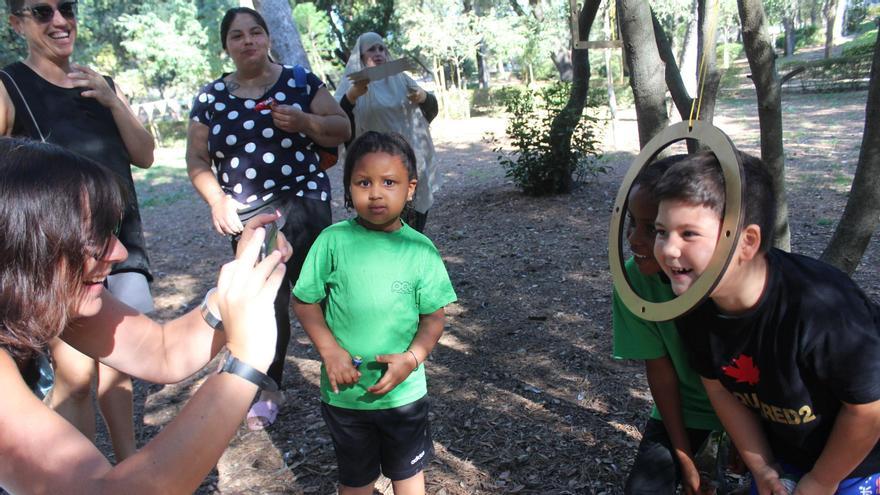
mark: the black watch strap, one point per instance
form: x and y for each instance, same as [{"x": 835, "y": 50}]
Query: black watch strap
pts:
[{"x": 234, "y": 366}]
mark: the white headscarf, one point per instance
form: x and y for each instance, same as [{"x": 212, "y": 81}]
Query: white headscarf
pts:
[{"x": 386, "y": 108}]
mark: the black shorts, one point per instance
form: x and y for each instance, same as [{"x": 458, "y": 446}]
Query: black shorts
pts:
[{"x": 396, "y": 442}]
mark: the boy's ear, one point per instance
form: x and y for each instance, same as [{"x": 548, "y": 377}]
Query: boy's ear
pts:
[
  {"x": 411, "y": 189},
  {"x": 749, "y": 242}
]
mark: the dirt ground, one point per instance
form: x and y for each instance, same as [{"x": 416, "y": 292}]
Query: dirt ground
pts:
[{"x": 526, "y": 398}]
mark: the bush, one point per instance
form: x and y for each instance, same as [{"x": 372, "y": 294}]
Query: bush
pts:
[
  {"x": 803, "y": 36},
  {"x": 536, "y": 167},
  {"x": 862, "y": 45}
]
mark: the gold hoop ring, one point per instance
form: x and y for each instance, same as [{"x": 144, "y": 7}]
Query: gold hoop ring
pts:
[{"x": 717, "y": 142}]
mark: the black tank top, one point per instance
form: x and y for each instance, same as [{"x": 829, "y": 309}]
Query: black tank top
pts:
[{"x": 82, "y": 125}]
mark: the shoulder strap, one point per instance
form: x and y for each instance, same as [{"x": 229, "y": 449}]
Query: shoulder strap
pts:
[
  {"x": 26, "y": 106},
  {"x": 299, "y": 76}
]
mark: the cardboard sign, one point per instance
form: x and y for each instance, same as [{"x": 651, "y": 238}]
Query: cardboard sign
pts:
[{"x": 381, "y": 71}]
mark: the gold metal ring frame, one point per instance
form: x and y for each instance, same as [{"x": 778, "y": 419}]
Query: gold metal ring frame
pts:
[{"x": 718, "y": 142}]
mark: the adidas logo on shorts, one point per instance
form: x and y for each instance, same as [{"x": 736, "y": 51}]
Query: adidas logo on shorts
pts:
[{"x": 417, "y": 458}]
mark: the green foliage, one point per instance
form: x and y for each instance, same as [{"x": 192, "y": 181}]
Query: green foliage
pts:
[
  {"x": 808, "y": 35},
  {"x": 862, "y": 45},
  {"x": 856, "y": 12},
  {"x": 536, "y": 167},
  {"x": 12, "y": 46},
  {"x": 149, "y": 38},
  {"x": 314, "y": 30}
]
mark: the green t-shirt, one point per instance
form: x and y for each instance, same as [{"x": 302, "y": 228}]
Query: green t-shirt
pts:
[
  {"x": 635, "y": 338},
  {"x": 376, "y": 285}
]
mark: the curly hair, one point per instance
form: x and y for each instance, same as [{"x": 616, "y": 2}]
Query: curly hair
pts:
[{"x": 56, "y": 209}]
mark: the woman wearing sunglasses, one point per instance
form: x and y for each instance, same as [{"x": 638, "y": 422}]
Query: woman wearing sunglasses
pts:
[
  {"x": 393, "y": 104},
  {"x": 61, "y": 209},
  {"x": 47, "y": 97},
  {"x": 253, "y": 145}
]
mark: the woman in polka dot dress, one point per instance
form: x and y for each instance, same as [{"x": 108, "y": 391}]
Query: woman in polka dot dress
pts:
[{"x": 258, "y": 127}]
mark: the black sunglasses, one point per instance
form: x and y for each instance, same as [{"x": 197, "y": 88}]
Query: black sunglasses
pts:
[{"x": 44, "y": 13}]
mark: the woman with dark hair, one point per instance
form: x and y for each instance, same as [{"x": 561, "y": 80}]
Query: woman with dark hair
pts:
[
  {"x": 262, "y": 126},
  {"x": 394, "y": 104},
  {"x": 58, "y": 215},
  {"x": 46, "y": 97}
]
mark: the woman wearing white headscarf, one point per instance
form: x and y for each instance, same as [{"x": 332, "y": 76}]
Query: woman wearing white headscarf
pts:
[{"x": 394, "y": 104}]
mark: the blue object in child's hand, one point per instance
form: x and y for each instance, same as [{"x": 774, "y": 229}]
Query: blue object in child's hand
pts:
[{"x": 357, "y": 361}]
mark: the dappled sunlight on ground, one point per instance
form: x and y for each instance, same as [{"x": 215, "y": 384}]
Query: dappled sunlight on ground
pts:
[{"x": 526, "y": 396}]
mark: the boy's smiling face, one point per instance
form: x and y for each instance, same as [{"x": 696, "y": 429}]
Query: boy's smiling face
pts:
[{"x": 686, "y": 240}]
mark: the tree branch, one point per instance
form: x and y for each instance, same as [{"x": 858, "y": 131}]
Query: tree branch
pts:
[
  {"x": 517, "y": 8},
  {"x": 797, "y": 70},
  {"x": 677, "y": 89}
]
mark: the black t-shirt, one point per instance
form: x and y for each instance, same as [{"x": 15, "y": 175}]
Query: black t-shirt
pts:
[
  {"x": 811, "y": 342},
  {"x": 83, "y": 125}
]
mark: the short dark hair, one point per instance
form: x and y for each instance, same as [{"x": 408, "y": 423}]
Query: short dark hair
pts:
[
  {"x": 699, "y": 181},
  {"x": 230, "y": 16},
  {"x": 650, "y": 174},
  {"x": 14, "y": 5},
  {"x": 377, "y": 142},
  {"x": 56, "y": 208}
]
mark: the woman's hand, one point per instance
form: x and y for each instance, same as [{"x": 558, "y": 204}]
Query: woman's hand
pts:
[
  {"x": 416, "y": 95},
  {"x": 399, "y": 368},
  {"x": 224, "y": 214},
  {"x": 289, "y": 118},
  {"x": 95, "y": 85},
  {"x": 245, "y": 296},
  {"x": 357, "y": 89}
]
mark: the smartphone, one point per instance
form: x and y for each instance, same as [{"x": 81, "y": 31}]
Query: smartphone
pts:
[{"x": 270, "y": 242}]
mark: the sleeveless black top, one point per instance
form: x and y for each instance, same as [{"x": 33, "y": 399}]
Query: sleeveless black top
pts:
[{"x": 85, "y": 126}]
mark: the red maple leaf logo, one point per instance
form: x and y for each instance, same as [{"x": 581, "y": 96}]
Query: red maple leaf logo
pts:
[{"x": 743, "y": 369}]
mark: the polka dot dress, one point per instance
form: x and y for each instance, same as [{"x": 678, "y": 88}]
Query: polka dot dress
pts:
[{"x": 255, "y": 161}]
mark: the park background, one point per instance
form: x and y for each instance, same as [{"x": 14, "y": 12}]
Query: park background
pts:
[{"x": 526, "y": 396}]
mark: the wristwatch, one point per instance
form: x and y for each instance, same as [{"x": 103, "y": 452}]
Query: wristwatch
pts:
[
  {"x": 214, "y": 321},
  {"x": 233, "y": 365}
]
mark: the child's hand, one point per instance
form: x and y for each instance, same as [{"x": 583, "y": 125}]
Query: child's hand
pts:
[
  {"x": 399, "y": 368},
  {"x": 809, "y": 485},
  {"x": 768, "y": 482},
  {"x": 690, "y": 476},
  {"x": 340, "y": 370}
]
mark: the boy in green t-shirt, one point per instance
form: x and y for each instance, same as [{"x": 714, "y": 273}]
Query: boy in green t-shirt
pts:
[
  {"x": 682, "y": 417},
  {"x": 383, "y": 287}
]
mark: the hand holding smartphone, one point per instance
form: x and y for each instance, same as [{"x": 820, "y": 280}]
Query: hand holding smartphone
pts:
[{"x": 270, "y": 242}]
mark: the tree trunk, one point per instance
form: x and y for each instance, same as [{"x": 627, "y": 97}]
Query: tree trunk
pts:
[
  {"x": 564, "y": 123},
  {"x": 689, "y": 59},
  {"x": 609, "y": 75},
  {"x": 862, "y": 213},
  {"x": 286, "y": 45},
  {"x": 788, "y": 40},
  {"x": 562, "y": 61},
  {"x": 762, "y": 61},
  {"x": 830, "y": 12},
  {"x": 708, "y": 56},
  {"x": 482, "y": 66},
  {"x": 645, "y": 67},
  {"x": 677, "y": 88}
]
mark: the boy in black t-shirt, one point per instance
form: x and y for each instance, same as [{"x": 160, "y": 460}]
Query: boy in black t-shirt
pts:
[{"x": 788, "y": 346}]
